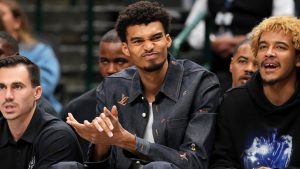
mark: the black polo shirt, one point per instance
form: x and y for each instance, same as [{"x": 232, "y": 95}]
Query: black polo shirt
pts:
[{"x": 46, "y": 141}]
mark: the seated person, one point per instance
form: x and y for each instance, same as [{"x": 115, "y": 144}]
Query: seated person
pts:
[
  {"x": 158, "y": 113},
  {"x": 110, "y": 60},
  {"x": 258, "y": 123},
  {"x": 30, "y": 137},
  {"x": 8, "y": 47}
]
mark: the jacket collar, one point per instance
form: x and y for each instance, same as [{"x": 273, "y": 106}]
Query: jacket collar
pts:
[{"x": 170, "y": 87}]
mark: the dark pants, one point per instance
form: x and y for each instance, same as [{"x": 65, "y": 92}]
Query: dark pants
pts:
[
  {"x": 160, "y": 165},
  {"x": 67, "y": 165}
]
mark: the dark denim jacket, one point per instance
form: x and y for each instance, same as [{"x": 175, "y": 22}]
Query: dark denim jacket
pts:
[{"x": 184, "y": 115}]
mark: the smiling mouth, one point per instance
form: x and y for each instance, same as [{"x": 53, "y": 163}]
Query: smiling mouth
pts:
[{"x": 270, "y": 66}]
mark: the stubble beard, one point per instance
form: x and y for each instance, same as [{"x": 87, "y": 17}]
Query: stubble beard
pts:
[{"x": 155, "y": 67}]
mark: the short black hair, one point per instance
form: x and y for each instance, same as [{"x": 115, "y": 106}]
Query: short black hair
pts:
[
  {"x": 142, "y": 12},
  {"x": 111, "y": 36},
  {"x": 12, "y": 42},
  {"x": 33, "y": 69},
  {"x": 245, "y": 41}
]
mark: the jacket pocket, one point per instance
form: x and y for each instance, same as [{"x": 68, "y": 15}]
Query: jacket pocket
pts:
[{"x": 176, "y": 131}]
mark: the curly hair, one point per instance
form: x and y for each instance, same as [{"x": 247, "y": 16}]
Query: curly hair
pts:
[
  {"x": 287, "y": 24},
  {"x": 142, "y": 12}
]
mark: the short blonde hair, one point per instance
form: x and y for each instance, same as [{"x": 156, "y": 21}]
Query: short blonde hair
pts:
[{"x": 287, "y": 24}]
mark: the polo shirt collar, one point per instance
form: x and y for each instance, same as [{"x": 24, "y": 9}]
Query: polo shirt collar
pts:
[
  {"x": 34, "y": 127},
  {"x": 5, "y": 133},
  {"x": 170, "y": 87},
  {"x": 30, "y": 133}
]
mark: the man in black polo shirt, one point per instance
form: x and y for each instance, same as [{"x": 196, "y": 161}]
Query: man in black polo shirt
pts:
[{"x": 30, "y": 138}]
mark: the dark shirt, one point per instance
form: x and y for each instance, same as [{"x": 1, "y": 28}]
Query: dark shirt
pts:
[
  {"x": 46, "y": 106},
  {"x": 184, "y": 113},
  {"x": 252, "y": 132},
  {"x": 46, "y": 141},
  {"x": 82, "y": 108}
]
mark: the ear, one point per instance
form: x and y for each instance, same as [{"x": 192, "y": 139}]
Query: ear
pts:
[
  {"x": 230, "y": 66},
  {"x": 37, "y": 92},
  {"x": 169, "y": 40},
  {"x": 298, "y": 60},
  {"x": 125, "y": 49}
]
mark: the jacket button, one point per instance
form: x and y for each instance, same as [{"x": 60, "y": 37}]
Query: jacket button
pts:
[{"x": 144, "y": 115}]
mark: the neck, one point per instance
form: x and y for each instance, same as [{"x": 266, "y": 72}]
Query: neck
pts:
[
  {"x": 152, "y": 81},
  {"x": 280, "y": 93},
  {"x": 18, "y": 126}
]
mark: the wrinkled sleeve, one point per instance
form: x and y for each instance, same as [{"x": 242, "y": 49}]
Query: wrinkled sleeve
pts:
[{"x": 109, "y": 160}]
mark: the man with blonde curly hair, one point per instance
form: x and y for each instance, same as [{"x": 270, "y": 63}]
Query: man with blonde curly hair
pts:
[{"x": 258, "y": 123}]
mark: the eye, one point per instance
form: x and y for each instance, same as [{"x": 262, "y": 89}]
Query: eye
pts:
[
  {"x": 137, "y": 42},
  {"x": 120, "y": 61},
  {"x": 2, "y": 87},
  {"x": 262, "y": 46},
  {"x": 17, "y": 87},
  {"x": 281, "y": 47},
  {"x": 103, "y": 61},
  {"x": 156, "y": 38},
  {"x": 242, "y": 61}
]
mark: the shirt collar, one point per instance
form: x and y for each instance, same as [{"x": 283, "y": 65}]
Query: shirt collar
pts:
[
  {"x": 30, "y": 133},
  {"x": 5, "y": 133},
  {"x": 34, "y": 126},
  {"x": 170, "y": 87}
]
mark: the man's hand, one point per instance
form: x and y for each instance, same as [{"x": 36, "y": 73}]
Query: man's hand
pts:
[
  {"x": 104, "y": 130},
  {"x": 86, "y": 130}
]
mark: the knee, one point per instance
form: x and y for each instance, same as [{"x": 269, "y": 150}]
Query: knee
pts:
[
  {"x": 67, "y": 165},
  {"x": 160, "y": 165}
]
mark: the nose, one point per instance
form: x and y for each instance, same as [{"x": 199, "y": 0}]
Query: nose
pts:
[
  {"x": 8, "y": 94},
  {"x": 112, "y": 68},
  {"x": 148, "y": 46},
  {"x": 270, "y": 52},
  {"x": 251, "y": 68}
]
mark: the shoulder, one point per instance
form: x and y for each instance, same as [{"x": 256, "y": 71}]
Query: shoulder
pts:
[
  {"x": 123, "y": 77},
  {"x": 194, "y": 72},
  {"x": 236, "y": 96},
  {"x": 82, "y": 107},
  {"x": 126, "y": 74},
  {"x": 89, "y": 95},
  {"x": 53, "y": 127}
]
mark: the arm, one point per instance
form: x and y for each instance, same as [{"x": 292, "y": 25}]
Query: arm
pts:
[
  {"x": 56, "y": 146},
  {"x": 223, "y": 155}
]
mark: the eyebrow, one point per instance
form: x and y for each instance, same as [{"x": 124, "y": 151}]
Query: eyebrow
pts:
[
  {"x": 242, "y": 57},
  {"x": 139, "y": 38},
  {"x": 276, "y": 42}
]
